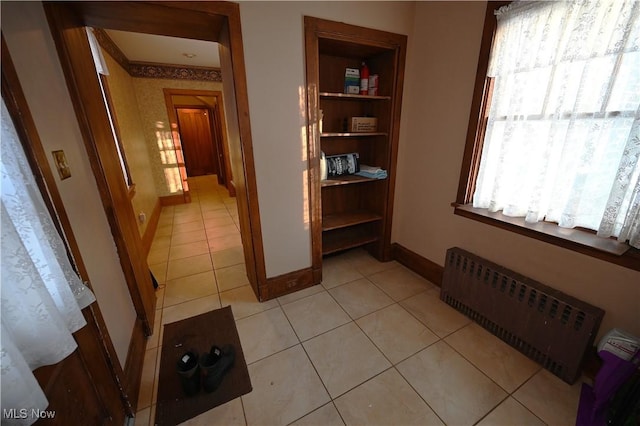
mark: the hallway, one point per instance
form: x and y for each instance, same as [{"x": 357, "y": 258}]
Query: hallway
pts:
[{"x": 372, "y": 344}]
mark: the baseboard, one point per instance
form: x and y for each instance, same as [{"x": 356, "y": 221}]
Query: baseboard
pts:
[
  {"x": 172, "y": 200},
  {"x": 150, "y": 230},
  {"x": 418, "y": 264},
  {"x": 133, "y": 365},
  {"x": 287, "y": 283}
]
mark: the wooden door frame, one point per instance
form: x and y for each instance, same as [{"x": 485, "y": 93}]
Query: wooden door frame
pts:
[
  {"x": 95, "y": 347},
  {"x": 173, "y": 120},
  {"x": 212, "y": 21}
]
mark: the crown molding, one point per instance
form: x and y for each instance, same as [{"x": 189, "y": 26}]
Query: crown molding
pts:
[{"x": 153, "y": 70}]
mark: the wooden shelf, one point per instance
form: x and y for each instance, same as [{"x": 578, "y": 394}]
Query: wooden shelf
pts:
[
  {"x": 351, "y": 134},
  {"x": 346, "y": 180},
  {"x": 347, "y": 96},
  {"x": 343, "y": 220},
  {"x": 351, "y": 211},
  {"x": 333, "y": 242}
]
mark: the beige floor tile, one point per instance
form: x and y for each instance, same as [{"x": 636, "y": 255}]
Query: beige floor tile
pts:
[
  {"x": 188, "y": 266},
  {"x": 143, "y": 417},
  {"x": 218, "y": 225},
  {"x": 211, "y": 205},
  {"x": 197, "y": 225},
  {"x": 190, "y": 249},
  {"x": 189, "y": 309},
  {"x": 359, "y": 298},
  {"x": 502, "y": 363},
  {"x": 223, "y": 231},
  {"x": 243, "y": 302},
  {"x": 229, "y": 257},
  {"x": 387, "y": 399},
  {"x": 549, "y": 398},
  {"x": 232, "y": 277},
  {"x": 439, "y": 317},
  {"x": 158, "y": 255},
  {"x": 188, "y": 237},
  {"x": 161, "y": 241},
  {"x": 225, "y": 242},
  {"x": 190, "y": 287},
  {"x": 229, "y": 414},
  {"x": 396, "y": 332},
  {"x": 147, "y": 378},
  {"x": 181, "y": 218},
  {"x": 327, "y": 415},
  {"x": 285, "y": 388},
  {"x": 300, "y": 294},
  {"x": 215, "y": 213},
  {"x": 163, "y": 231},
  {"x": 458, "y": 392},
  {"x": 337, "y": 270},
  {"x": 345, "y": 358},
  {"x": 314, "y": 315},
  {"x": 366, "y": 264},
  {"x": 400, "y": 283},
  {"x": 264, "y": 334},
  {"x": 511, "y": 412}
]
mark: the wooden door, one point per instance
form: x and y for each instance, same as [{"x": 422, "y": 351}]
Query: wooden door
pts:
[{"x": 200, "y": 153}]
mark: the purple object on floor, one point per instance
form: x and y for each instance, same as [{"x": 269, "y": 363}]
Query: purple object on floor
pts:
[{"x": 595, "y": 401}]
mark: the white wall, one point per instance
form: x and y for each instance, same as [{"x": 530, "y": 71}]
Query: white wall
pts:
[
  {"x": 273, "y": 37},
  {"x": 26, "y": 31},
  {"x": 438, "y": 89}
]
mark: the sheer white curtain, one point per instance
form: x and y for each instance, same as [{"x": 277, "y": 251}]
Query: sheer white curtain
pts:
[
  {"x": 563, "y": 135},
  {"x": 41, "y": 295}
]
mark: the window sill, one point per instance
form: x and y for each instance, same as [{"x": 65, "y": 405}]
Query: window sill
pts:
[{"x": 577, "y": 240}]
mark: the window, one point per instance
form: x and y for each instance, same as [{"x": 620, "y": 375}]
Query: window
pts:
[{"x": 555, "y": 135}]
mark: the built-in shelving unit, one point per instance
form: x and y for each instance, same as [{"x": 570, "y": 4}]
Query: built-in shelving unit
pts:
[{"x": 351, "y": 211}]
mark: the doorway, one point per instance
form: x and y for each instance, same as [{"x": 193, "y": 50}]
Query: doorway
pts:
[
  {"x": 212, "y": 21},
  {"x": 212, "y": 100},
  {"x": 196, "y": 138}
]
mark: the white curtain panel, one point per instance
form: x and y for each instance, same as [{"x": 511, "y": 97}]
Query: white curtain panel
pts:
[
  {"x": 563, "y": 135},
  {"x": 41, "y": 294}
]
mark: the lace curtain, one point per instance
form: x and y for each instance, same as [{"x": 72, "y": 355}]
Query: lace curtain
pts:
[
  {"x": 41, "y": 294},
  {"x": 563, "y": 134}
]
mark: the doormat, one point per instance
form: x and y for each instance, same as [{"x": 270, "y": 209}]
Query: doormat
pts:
[{"x": 198, "y": 333}]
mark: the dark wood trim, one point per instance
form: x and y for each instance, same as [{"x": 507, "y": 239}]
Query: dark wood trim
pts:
[
  {"x": 103, "y": 364},
  {"x": 111, "y": 48},
  {"x": 288, "y": 283},
  {"x": 422, "y": 266},
  {"x": 313, "y": 145},
  {"x": 213, "y": 21},
  {"x": 152, "y": 226},
  {"x": 75, "y": 57},
  {"x": 572, "y": 239},
  {"x": 134, "y": 363},
  {"x": 473, "y": 147}
]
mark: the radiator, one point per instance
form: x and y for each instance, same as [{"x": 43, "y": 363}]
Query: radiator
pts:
[{"x": 546, "y": 325}]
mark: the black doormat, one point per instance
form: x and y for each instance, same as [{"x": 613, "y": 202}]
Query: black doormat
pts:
[{"x": 200, "y": 333}]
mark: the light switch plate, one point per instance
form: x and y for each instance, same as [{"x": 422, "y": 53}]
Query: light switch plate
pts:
[{"x": 61, "y": 164}]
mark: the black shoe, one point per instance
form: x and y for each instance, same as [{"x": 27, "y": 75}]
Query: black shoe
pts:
[
  {"x": 214, "y": 366},
  {"x": 189, "y": 372}
]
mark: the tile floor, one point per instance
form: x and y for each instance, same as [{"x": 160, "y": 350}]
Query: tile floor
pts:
[{"x": 371, "y": 345}]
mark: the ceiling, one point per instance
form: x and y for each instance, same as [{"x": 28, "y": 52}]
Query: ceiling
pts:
[{"x": 139, "y": 47}]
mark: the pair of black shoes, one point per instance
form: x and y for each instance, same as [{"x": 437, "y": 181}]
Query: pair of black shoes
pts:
[{"x": 209, "y": 369}]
